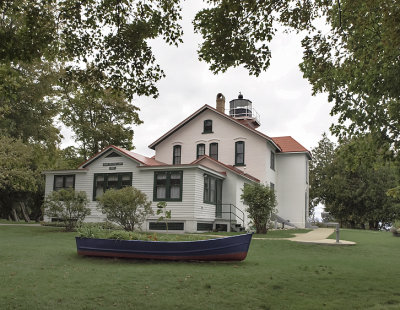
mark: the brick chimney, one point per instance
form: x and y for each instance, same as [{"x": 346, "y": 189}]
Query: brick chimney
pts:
[{"x": 220, "y": 103}]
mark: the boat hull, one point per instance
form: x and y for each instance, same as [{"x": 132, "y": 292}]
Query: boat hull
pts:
[{"x": 232, "y": 248}]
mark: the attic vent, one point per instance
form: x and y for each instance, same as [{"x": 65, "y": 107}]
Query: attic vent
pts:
[{"x": 113, "y": 154}]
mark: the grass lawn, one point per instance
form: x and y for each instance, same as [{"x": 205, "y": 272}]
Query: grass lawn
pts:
[{"x": 40, "y": 269}]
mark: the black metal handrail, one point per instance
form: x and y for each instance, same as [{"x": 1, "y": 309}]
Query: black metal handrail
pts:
[{"x": 230, "y": 212}]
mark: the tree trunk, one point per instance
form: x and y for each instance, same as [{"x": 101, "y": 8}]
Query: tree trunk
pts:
[
  {"x": 14, "y": 215},
  {"x": 24, "y": 212}
]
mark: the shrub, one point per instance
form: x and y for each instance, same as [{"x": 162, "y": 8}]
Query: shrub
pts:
[
  {"x": 91, "y": 230},
  {"x": 261, "y": 202},
  {"x": 68, "y": 206},
  {"x": 165, "y": 214},
  {"x": 127, "y": 207}
]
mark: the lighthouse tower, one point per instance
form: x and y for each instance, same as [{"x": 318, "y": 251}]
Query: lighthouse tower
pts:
[{"x": 242, "y": 110}]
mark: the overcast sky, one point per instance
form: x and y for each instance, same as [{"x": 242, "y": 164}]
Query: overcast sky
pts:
[{"x": 281, "y": 96}]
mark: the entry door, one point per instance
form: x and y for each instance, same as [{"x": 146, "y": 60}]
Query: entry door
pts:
[{"x": 218, "y": 199}]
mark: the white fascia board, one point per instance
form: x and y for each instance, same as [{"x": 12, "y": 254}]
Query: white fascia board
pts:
[
  {"x": 294, "y": 153},
  {"x": 65, "y": 171},
  {"x": 181, "y": 167}
]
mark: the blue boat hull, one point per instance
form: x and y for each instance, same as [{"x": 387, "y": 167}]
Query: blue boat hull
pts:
[{"x": 221, "y": 249}]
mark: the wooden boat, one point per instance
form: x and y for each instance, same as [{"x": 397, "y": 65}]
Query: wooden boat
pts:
[{"x": 232, "y": 248}]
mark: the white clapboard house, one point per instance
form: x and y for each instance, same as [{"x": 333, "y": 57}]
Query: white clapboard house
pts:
[{"x": 199, "y": 168}]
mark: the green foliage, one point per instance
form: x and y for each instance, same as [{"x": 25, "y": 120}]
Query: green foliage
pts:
[
  {"x": 68, "y": 206},
  {"x": 57, "y": 62},
  {"x": 27, "y": 108},
  {"x": 20, "y": 180},
  {"x": 261, "y": 202},
  {"x": 165, "y": 214},
  {"x": 127, "y": 207},
  {"x": 351, "y": 52},
  {"x": 99, "y": 116},
  {"x": 322, "y": 157},
  {"x": 394, "y": 193},
  {"x": 67, "y": 30},
  {"x": 353, "y": 181}
]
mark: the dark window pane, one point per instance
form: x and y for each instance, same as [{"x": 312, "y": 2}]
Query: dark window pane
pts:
[
  {"x": 99, "y": 186},
  {"x": 175, "y": 185},
  {"x": 239, "y": 153},
  {"x": 212, "y": 190},
  {"x": 161, "y": 192},
  {"x": 201, "y": 150},
  {"x": 58, "y": 182},
  {"x": 206, "y": 188},
  {"x": 126, "y": 180},
  {"x": 161, "y": 185},
  {"x": 207, "y": 126},
  {"x": 69, "y": 181},
  {"x": 214, "y": 150},
  {"x": 177, "y": 155},
  {"x": 272, "y": 160},
  {"x": 112, "y": 181}
]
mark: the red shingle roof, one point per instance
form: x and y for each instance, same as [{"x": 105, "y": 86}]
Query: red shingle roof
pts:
[
  {"x": 229, "y": 167},
  {"x": 146, "y": 161},
  {"x": 289, "y": 145}
]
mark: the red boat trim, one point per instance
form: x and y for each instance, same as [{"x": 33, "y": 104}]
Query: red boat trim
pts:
[{"x": 232, "y": 256}]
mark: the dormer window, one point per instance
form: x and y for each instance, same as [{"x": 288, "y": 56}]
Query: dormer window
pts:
[
  {"x": 207, "y": 126},
  {"x": 176, "y": 155}
]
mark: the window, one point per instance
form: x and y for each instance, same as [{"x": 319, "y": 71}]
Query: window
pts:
[
  {"x": 105, "y": 181},
  {"x": 167, "y": 186},
  {"x": 163, "y": 226},
  {"x": 207, "y": 126},
  {"x": 177, "y": 155},
  {"x": 204, "y": 226},
  {"x": 272, "y": 186},
  {"x": 212, "y": 189},
  {"x": 272, "y": 160},
  {"x": 239, "y": 153},
  {"x": 214, "y": 150},
  {"x": 64, "y": 182},
  {"x": 306, "y": 171},
  {"x": 201, "y": 150}
]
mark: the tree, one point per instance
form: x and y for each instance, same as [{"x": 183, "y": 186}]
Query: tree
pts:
[
  {"x": 353, "y": 56},
  {"x": 261, "y": 202},
  {"x": 19, "y": 178},
  {"x": 165, "y": 214},
  {"x": 127, "y": 207},
  {"x": 353, "y": 185},
  {"x": 27, "y": 110},
  {"x": 99, "y": 116},
  {"x": 110, "y": 35},
  {"x": 68, "y": 206},
  {"x": 322, "y": 157},
  {"x": 44, "y": 43}
]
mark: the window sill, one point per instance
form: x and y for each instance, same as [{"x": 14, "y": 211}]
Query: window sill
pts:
[
  {"x": 239, "y": 165},
  {"x": 206, "y": 132},
  {"x": 171, "y": 200}
]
